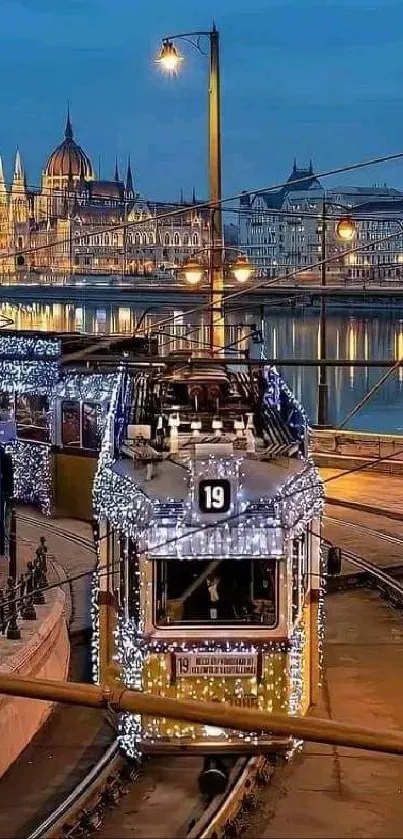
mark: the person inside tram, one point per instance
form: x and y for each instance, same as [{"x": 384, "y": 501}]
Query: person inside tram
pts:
[{"x": 222, "y": 591}]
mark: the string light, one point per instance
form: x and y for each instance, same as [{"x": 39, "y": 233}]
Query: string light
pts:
[{"x": 174, "y": 527}]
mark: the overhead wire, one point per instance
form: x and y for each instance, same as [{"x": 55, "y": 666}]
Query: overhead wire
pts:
[
  {"x": 209, "y": 527},
  {"x": 223, "y": 201}
]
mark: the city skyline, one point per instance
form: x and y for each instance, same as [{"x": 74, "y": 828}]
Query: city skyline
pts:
[{"x": 275, "y": 89}]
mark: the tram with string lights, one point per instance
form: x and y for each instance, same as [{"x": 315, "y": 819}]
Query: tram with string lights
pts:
[{"x": 209, "y": 583}]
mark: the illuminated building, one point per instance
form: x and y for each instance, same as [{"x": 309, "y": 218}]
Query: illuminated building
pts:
[
  {"x": 75, "y": 222},
  {"x": 280, "y": 230}
]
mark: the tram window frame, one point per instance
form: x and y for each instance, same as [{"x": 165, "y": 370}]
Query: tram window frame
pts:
[
  {"x": 30, "y": 433},
  {"x": 298, "y": 566},
  {"x": 213, "y": 623},
  {"x": 79, "y": 406}
]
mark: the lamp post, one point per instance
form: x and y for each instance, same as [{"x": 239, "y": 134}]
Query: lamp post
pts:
[
  {"x": 193, "y": 269},
  {"x": 169, "y": 59},
  {"x": 345, "y": 231}
]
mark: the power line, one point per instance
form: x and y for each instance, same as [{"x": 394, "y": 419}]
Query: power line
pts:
[{"x": 214, "y": 205}]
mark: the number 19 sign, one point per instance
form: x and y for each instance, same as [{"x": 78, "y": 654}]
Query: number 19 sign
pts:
[{"x": 214, "y": 495}]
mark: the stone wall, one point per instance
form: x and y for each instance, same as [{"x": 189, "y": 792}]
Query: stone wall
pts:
[
  {"x": 346, "y": 449},
  {"x": 43, "y": 652}
]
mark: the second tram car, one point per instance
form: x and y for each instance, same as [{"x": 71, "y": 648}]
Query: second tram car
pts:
[{"x": 209, "y": 582}]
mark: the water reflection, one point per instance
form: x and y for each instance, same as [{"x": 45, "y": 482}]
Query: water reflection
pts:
[{"x": 287, "y": 335}]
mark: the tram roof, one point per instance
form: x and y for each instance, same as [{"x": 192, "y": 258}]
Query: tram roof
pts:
[{"x": 260, "y": 478}]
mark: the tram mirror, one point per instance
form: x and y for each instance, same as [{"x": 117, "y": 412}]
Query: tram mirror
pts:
[
  {"x": 214, "y": 496},
  {"x": 334, "y": 561}
]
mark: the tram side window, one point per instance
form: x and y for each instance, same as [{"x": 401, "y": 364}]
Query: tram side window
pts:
[
  {"x": 71, "y": 424},
  {"x": 89, "y": 426},
  {"x": 80, "y": 425},
  {"x": 31, "y": 417},
  {"x": 6, "y": 407},
  {"x": 299, "y": 574},
  {"x": 236, "y": 591}
]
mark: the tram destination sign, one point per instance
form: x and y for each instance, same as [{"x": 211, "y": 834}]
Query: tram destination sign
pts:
[{"x": 215, "y": 664}]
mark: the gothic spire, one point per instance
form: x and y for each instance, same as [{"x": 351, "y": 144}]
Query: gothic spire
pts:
[
  {"x": 310, "y": 167},
  {"x": 18, "y": 168},
  {"x": 129, "y": 179},
  {"x": 194, "y": 196},
  {"x": 294, "y": 168},
  {"x": 3, "y": 190},
  {"x": 116, "y": 176},
  {"x": 68, "y": 131}
]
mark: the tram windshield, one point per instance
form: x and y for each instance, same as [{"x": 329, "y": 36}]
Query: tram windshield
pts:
[{"x": 228, "y": 591}]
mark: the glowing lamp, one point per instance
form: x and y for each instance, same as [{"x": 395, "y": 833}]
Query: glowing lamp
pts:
[
  {"x": 193, "y": 271},
  {"x": 345, "y": 229},
  {"x": 242, "y": 269},
  {"x": 169, "y": 58}
]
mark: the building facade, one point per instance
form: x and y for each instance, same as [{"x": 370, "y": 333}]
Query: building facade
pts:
[
  {"x": 76, "y": 223},
  {"x": 281, "y": 230}
]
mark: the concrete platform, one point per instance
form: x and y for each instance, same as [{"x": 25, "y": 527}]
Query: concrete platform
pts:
[{"x": 333, "y": 792}]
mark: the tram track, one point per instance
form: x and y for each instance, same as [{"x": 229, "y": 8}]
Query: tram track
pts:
[{"x": 90, "y": 803}]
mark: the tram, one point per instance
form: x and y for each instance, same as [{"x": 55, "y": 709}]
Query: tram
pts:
[{"x": 209, "y": 583}]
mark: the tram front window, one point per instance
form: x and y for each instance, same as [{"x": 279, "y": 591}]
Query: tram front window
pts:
[{"x": 228, "y": 591}]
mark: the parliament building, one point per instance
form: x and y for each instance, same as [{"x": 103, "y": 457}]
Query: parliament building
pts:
[{"x": 76, "y": 223}]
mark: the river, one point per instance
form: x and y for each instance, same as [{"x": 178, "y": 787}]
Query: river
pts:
[{"x": 292, "y": 335}]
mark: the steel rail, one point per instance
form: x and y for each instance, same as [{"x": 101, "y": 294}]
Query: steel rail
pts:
[
  {"x": 78, "y": 800},
  {"x": 376, "y": 534}
]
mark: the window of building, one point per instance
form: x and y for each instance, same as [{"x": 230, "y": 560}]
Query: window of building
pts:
[
  {"x": 137, "y": 238},
  {"x": 80, "y": 425},
  {"x": 176, "y": 239},
  {"x": 242, "y": 591},
  {"x": 186, "y": 239},
  {"x": 150, "y": 238},
  {"x": 167, "y": 239},
  {"x": 195, "y": 239}
]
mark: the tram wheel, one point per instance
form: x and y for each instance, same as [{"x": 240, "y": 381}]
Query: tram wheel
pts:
[{"x": 214, "y": 777}]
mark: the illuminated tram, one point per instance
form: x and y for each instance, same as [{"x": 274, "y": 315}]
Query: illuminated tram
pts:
[{"x": 209, "y": 582}]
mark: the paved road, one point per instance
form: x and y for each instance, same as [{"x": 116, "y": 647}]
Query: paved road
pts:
[{"x": 333, "y": 792}]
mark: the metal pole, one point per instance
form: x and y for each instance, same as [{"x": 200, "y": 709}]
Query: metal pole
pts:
[
  {"x": 322, "y": 386},
  {"x": 216, "y": 262},
  {"x": 207, "y": 713},
  {"x": 12, "y": 546}
]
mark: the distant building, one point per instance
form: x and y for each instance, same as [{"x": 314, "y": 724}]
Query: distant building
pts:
[
  {"x": 77, "y": 223},
  {"x": 280, "y": 230}
]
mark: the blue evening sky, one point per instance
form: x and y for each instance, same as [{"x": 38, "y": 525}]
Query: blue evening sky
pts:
[{"x": 311, "y": 78}]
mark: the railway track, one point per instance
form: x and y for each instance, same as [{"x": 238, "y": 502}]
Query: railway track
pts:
[
  {"x": 368, "y": 531},
  {"x": 88, "y": 806}
]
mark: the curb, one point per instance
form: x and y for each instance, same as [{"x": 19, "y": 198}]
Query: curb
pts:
[{"x": 364, "y": 508}]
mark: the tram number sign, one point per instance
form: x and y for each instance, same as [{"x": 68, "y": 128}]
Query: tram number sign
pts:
[{"x": 214, "y": 495}]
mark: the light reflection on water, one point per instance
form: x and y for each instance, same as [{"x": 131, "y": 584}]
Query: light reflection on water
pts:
[{"x": 287, "y": 335}]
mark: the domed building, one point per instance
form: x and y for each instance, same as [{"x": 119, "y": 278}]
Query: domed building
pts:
[
  {"x": 78, "y": 223},
  {"x": 68, "y": 163}
]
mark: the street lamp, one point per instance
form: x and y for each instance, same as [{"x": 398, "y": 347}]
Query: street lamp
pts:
[
  {"x": 345, "y": 232},
  {"x": 169, "y": 60},
  {"x": 345, "y": 229},
  {"x": 194, "y": 270},
  {"x": 242, "y": 269}
]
